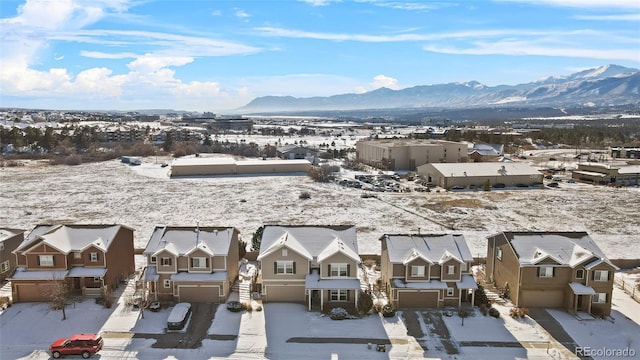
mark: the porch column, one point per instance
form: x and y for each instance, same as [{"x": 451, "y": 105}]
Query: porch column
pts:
[
  {"x": 460, "y": 297},
  {"x": 155, "y": 290},
  {"x": 473, "y": 297},
  {"x": 309, "y": 297},
  {"x": 589, "y": 307},
  {"x": 321, "y": 299}
]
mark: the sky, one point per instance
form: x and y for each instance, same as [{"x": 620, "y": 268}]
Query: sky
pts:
[{"x": 217, "y": 56}]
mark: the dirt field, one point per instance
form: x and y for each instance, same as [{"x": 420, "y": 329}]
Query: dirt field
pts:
[{"x": 144, "y": 197}]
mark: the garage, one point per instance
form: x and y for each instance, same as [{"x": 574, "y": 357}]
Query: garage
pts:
[
  {"x": 541, "y": 298},
  {"x": 285, "y": 293},
  {"x": 31, "y": 292},
  {"x": 414, "y": 299},
  {"x": 199, "y": 293}
]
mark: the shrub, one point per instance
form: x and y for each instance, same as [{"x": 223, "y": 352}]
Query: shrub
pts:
[
  {"x": 338, "y": 313},
  {"x": 234, "y": 306},
  {"x": 73, "y": 160},
  {"x": 518, "y": 312},
  {"x": 365, "y": 302},
  {"x": 493, "y": 312},
  {"x": 388, "y": 310},
  {"x": 304, "y": 195},
  {"x": 484, "y": 309},
  {"x": 377, "y": 308}
]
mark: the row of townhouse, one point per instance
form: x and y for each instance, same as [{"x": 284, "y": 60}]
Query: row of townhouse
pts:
[{"x": 319, "y": 266}]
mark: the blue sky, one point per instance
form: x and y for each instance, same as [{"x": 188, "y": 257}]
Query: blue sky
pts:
[{"x": 208, "y": 55}]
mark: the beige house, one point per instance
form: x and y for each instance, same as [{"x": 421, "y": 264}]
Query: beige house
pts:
[
  {"x": 427, "y": 271},
  {"x": 191, "y": 263},
  {"x": 470, "y": 175},
  {"x": 87, "y": 257},
  {"x": 551, "y": 269},
  {"x": 408, "y": 154},
  {"x": 316, "y": 265},
  {"x": 10, "y": 239},
  {"x": 204, "y": 166}
]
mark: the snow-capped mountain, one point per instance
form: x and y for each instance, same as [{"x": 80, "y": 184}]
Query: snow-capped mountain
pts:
[{"x": 605, "y": 85}]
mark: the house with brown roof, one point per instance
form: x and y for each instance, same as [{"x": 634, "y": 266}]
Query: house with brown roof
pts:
[
  {"x": 87, "y": 257},
  {"x": 191, "y": 263},
  {"x": 426, "y": 270},
  {"x": 551, "y": 269},
  {"x": 9, "y": 241},
  {"x": 315, "y": 265}
]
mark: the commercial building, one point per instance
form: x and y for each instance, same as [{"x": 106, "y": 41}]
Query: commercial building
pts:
[{"x": 408, "y": 154}]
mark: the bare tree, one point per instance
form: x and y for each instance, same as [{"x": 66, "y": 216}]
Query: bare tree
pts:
[{"x": 57, "y": 291}]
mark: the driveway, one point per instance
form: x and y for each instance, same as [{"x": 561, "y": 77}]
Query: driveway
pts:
[
  {"x": 201, "y": 318},
  {"x": 553, "y": 327}
]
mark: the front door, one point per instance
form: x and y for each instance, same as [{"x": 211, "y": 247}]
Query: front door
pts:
[{"x": 579, "y": 302}]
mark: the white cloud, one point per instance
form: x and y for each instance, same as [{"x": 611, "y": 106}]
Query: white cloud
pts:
[
  {"x": 103, "y": 55},
  {"x": 242, "y": 14},
  {"x": 149, "y": 63},
  {"x": 384, "y": 81},
  {"x": 319, "y": 2},
  {"x": 630, "y": 4},
  {"x": 617, "y": 17}
]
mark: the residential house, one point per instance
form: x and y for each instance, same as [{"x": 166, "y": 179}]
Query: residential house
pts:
[
  {"x": 87, "y": 258},
  {"x": 292, "y": 152},
  {"x": 485, "y": 152},
  {"x": 551, "y": 269},
  {"x": 191, "y": 263},
  {"x": 427, "y": 270},
  {"x": 9, "y": 241},
  {"x": 316, "y": 265}
]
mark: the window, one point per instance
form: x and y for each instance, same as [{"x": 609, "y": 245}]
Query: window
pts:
[
  {"x": 579, "y": 274},
  {"x": 96, "y": 279},
  {"x": 285, "y": 252},
  {"x": 545, "y": 271},
  {"x": 601, "y": 275},
  {"x": 499, "y": 253},
  {"x": 1, "y": 246},
  {"x": 45, "y": 260},
  {"x": 153, "y": 259},
  {"x": 338, "y": 270},
  {"x": 199, "y": 262},
  {"x": 451, "y": 269},
  {"x": 338, "y": 295},
  {"x": 450, "y": 291},
  {"x": 77, "y": 255},
  {"x": 463, "y": 267},
  {"x": 599, "y": 298},
  {"x": 93, "y": 257},
  {"x": 285, "y": 267},
  {"x": 167, "y": 283},
  {"x": 417, "y": 271},
  {"x": 4, "y": 266},
  {"x": 166, "y": 261}
]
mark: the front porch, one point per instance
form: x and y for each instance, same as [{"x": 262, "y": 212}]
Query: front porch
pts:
[{"x": 325, "y": 294}]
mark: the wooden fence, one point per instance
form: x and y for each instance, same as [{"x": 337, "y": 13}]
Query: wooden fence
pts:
[{"x": 629, "y": 286}]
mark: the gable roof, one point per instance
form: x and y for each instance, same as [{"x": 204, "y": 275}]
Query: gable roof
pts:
[
  {"x": 67, "y": 238},
  {"x": 487, "y": 149},
  {"x": 435, "y": 248},
  {"x": 7, "y": 233},
  {"x": 310, "y": 240},
  {"x": 566, "y": 248},
  {"x": 184, "y": 240}
]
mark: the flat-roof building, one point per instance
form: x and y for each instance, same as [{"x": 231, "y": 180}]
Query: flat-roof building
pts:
[
  {"x": 408, "y": 154},
  {"x": 466, "y": 175}
]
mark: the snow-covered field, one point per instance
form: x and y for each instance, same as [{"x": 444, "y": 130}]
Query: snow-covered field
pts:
[{"x": 144, "y": 196}]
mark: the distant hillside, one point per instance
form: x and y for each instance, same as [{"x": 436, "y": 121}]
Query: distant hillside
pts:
[{"x": 602, "y": 86}]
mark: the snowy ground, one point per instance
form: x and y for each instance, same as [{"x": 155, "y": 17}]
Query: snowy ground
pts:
[
  {"x": 27, "y": 329},
  {"x": 143, "y": 197}
]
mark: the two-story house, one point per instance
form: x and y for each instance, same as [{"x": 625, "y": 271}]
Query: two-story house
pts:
[
  {"x": 551, "y": 269},
  {"x": 316, "y": 265},
  {"x": 426, "y": 270},
  {"x": 87, "y": 257},
  {"x": 191, "y": 263},
  {"x": 9, "y": 241}
]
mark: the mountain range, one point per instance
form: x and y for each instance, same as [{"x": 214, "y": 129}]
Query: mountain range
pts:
[{"x": 602, "y": 86}]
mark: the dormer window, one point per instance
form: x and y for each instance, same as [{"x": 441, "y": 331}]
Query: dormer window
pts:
[
  {"x": 417, "y": 271},
  {"x": 199, "y": 262}
]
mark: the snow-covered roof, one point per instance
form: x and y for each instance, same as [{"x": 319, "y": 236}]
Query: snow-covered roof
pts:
[
  {"x": 580, "y": 289},
  {"x": 483, "y": 169},
  {"x": 81, "y": 271},
  {"x": 467, "y": 282},
  {"x": 428, "y": 285},
  {"x": 8, "y": 233},
  {"x": 435, "y": 248},
  {"x": 24, "y": 274},
  {"x": 150, "y": 274},
  {"x": 67, "y": 238},
  {"x": 487, "y": 149},
  {"x": 310, "y": 241},
  {"x": 565, "y": 248},
  {"x": 313, "y": 281},
  {"x": 182, "y": 241}
]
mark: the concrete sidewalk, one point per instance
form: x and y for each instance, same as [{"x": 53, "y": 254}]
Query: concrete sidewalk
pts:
[{"x": 560, "y": 339}]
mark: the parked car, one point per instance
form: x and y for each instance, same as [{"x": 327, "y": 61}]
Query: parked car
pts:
[
  {"x": 553, "y": 184},
  {"x": 179, "y": 316},
  {"x": 498, "y": 185},
  {"x": 155, "y": 306},
  {"x": 571, "y": 181},
  {"x": 78, "y": 344}
]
